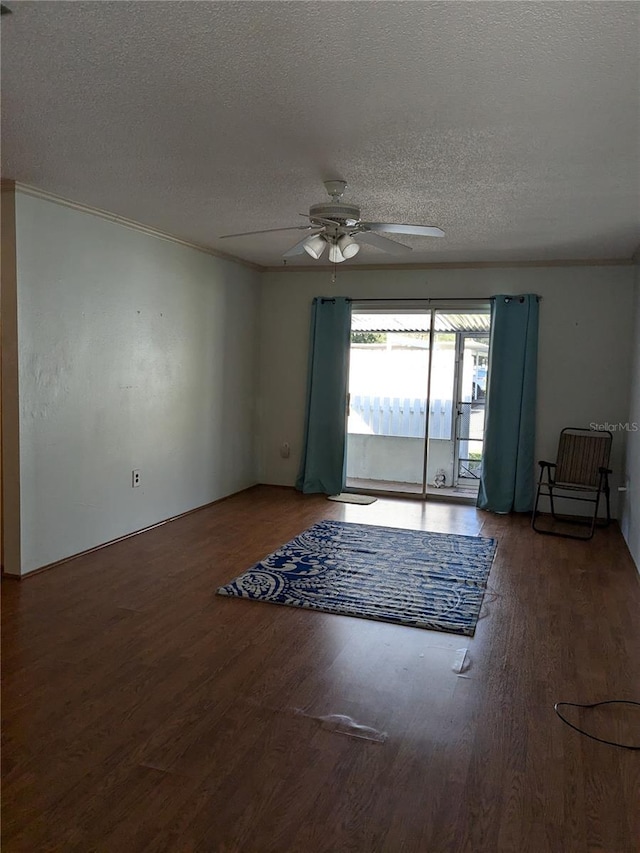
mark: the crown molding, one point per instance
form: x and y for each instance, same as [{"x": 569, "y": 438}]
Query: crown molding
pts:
[{"x": 26, "y": 189}]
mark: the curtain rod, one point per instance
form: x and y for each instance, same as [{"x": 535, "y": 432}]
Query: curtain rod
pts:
[{"x": 428, "y": 299}]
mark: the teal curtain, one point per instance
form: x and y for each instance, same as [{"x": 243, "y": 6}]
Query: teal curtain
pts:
[
  {"x": 323, "y": 463},
  {"x": 507, "y": 479}
]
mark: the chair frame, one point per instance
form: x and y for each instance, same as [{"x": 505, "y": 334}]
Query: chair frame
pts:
[{"x": 546, "y": 489}]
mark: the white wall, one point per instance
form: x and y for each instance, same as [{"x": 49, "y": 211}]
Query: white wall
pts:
[
  {"x": 630, "y": 516},
  {"x": 134, "y": 352},
  {"x": 585, "y": 344}
]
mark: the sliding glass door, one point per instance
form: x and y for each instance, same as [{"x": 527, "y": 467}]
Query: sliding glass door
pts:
[
  {"x": 388, "y": 389},
  {"x": 416, "y": 399}
]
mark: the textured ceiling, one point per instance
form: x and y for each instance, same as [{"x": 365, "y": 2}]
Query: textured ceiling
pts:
[{"x": 512, "y": 125}]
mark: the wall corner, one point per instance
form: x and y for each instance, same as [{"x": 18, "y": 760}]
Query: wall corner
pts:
[{"x": 9, "y": 390}]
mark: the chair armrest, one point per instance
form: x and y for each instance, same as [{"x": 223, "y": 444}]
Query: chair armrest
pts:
[{"x": 548, "y": 466}]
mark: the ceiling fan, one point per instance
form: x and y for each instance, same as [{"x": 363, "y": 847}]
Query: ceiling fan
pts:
[{"x": 337, "y": 224}]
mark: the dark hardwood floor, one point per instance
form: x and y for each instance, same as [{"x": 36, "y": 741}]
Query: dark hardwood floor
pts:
[{"x": 144, "y": 713}]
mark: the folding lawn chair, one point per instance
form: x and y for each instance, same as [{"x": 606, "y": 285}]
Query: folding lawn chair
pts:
[{"x": 581, "y": 469}]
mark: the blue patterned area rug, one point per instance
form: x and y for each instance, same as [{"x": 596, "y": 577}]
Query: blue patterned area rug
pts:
[{"x": 410, "y": 577}]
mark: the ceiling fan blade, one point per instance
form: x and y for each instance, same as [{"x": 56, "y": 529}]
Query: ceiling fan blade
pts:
[
  {"x": 298, "y": 249},
  {"x": 268, "y": 231},
  {"x": 382, "y": 243},
  {"x": 390, "y": 228}
]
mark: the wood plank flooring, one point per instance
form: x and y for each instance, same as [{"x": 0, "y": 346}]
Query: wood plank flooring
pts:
[{"x": 144, "y": 713}]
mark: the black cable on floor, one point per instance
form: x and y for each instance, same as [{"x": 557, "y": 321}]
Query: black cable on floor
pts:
[{"x": 596, "y": 705}]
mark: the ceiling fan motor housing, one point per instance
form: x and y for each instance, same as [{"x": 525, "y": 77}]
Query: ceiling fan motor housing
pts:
[{"x": 341, "y": 213}]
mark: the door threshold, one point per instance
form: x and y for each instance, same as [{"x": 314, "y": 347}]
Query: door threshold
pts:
[{"x": 436, "y": 496}]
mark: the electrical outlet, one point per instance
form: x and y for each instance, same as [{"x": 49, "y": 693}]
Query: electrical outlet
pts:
[{"x": 135, "y": 478}]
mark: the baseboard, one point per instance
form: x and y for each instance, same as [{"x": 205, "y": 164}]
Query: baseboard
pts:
[
  {"x": 123, "y": 538},
  {"x": 278, "y": 486}
]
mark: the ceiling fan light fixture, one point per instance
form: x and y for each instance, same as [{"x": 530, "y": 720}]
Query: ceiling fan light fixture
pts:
[
  {"x": 335, "y": 255},
  {"x": 348, "y": 246},
  {"x": 315, "y": 246}
]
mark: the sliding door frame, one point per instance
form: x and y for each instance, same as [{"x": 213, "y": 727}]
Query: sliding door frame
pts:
[
  {"x": 427, "y": 410},
  {"x": 419, "y": 306}
]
